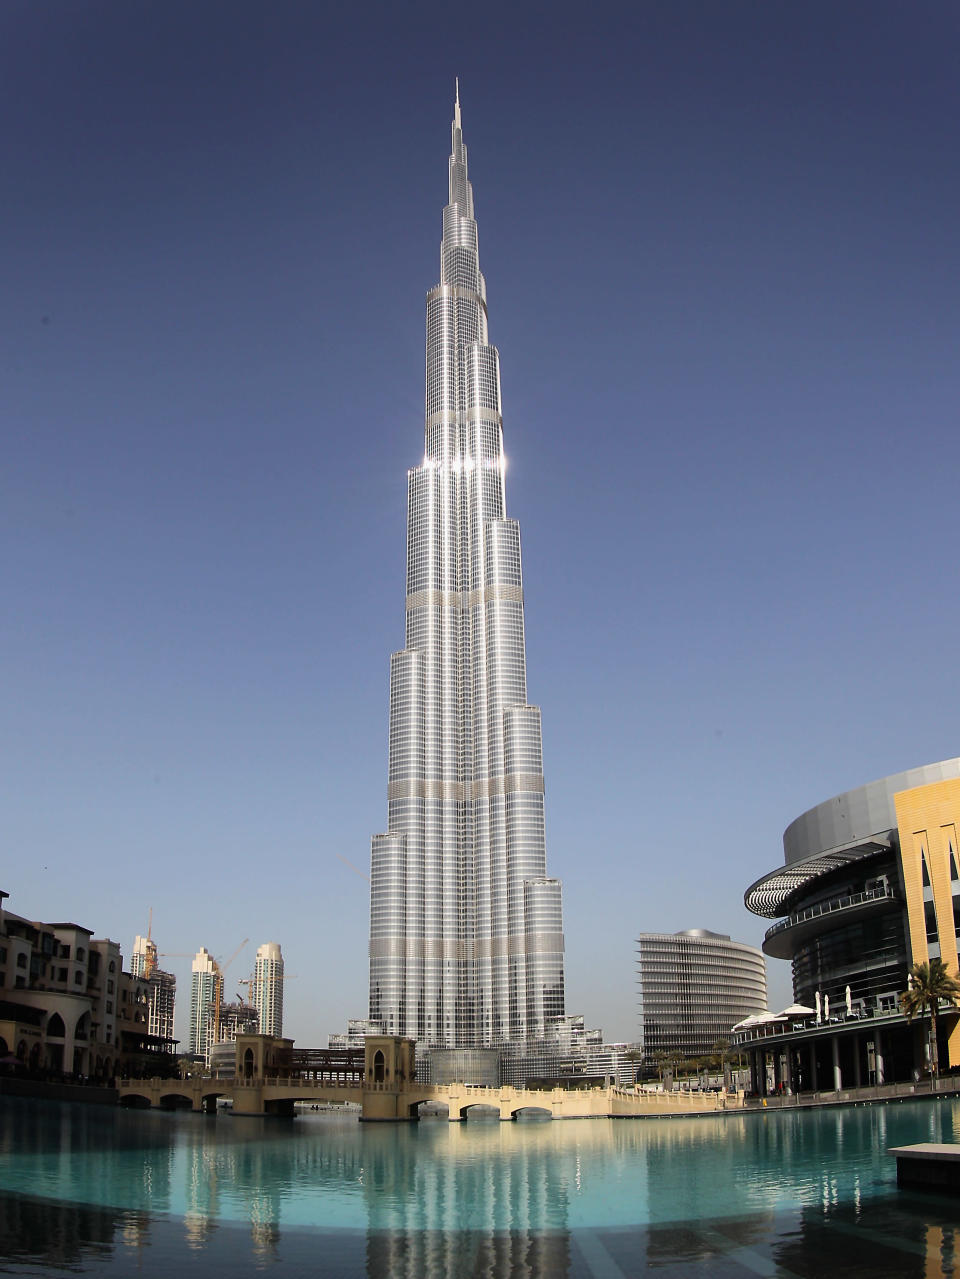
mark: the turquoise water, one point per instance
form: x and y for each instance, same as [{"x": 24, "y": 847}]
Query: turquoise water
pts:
[{"x": 104, "y": 1191}]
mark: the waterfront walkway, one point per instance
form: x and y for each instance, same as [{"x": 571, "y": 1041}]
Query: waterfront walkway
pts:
[{"x": 946, "y": 1086}]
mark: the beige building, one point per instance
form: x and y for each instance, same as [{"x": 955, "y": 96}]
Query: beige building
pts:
[{"x": 67, "y": 1008}]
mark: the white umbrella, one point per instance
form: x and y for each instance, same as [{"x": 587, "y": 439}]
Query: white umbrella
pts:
[
  {"x": 849, "y": 1003},
  {"x": 818, "y": 1007},
  {"x": 797, "y": 1010},
  {"x": 826, "y": 1008},
  {"x": 743, "y": 1025}
]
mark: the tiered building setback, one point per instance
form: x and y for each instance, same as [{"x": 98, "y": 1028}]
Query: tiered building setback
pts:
[{"x": 466, "y": 932}]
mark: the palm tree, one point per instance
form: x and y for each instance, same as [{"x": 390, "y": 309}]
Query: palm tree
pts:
[{"x": 929, "y": 983}]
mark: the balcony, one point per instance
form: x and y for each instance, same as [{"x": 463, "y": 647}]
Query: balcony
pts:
[{"x": 783, "y": 938}]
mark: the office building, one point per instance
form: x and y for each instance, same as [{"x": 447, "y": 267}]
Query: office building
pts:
[
  {"x": 466, "y": 933},
  {"x": 267, "y": 992},
  {"x": 692, "y": 988},
  {"x": 869, "y": 886}
]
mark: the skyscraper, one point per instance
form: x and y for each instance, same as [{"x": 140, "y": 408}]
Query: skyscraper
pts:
[
  {"x": 205, "y": 997},
  {"x": 267, "y": 993},
  {"x": 466, "y": 931}
]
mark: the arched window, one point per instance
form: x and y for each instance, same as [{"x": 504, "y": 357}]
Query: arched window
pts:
[
  {"x": 55, "y": 1027},
  {"x": 248, "y": 1063},
  {"x": 378, "y": 1067}
]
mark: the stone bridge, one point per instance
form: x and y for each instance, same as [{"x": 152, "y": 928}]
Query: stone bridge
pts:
[{"x": 384, "y": 1087}]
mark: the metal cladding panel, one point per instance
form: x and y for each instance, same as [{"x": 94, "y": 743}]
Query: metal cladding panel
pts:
[
  {"x": 858, "y": 814},
  {"x": 463, "y": 952}
]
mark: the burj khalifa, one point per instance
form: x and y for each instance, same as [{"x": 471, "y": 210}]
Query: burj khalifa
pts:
[{"x": 466, "y": 928}]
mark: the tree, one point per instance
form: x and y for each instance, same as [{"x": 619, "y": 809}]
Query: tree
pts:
[{"x": 928, "y": 985}]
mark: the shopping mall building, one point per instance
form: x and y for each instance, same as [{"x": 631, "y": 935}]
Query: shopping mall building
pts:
[{"x": 869, "y": 886}]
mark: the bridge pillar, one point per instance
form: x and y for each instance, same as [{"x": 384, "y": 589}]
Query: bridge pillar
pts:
[
  {"x": 248, "y": 1100},
  {"x": 384, "y": 1103}
]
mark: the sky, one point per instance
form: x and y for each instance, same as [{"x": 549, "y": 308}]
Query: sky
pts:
[{"x": 720, "y": 246}]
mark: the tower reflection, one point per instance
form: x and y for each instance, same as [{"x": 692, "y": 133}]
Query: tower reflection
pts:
[{"x": 487, "y": 1200}]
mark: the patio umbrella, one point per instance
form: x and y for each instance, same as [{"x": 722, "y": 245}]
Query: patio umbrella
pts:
[
  {"x": 818, "y": 1007},
  {"x": 849, "y": 1002},
  {"x": 826, "y": 1007},
  {"x": 797, "y": 1010}
]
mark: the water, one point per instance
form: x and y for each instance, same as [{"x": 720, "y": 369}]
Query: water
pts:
[{"x": 95, "y": 1190}]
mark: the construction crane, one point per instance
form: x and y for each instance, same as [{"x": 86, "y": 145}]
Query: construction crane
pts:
[
  {"x": 150, "y": 957},
  {"x": 252, "y": 981},
  {"x": 356, "y": 869},
  {"x": 216, "y": 1002}
]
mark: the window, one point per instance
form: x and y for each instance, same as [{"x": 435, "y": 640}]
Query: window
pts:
[
  {"x": 78, "y": 978},
  {"x": 81, "y": 953},
  {"x": 61, "y": 974},
  {"x": 109, "y": 987},
  {"x": 21, "y": 960},
  {"x": 930, "y": 921}
]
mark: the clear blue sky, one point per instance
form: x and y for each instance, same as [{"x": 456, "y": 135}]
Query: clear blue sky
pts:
[{"x": 720, "y": 242}]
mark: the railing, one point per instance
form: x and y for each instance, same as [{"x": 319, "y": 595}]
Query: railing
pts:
[
  {"x": 790, "y": 1025},
  {"x": 828, "y": 908},
  {"x": 868, "y": 1092}
]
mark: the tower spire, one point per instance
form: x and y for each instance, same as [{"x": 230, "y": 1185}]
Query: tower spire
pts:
[{"x": 466, "y": 930}]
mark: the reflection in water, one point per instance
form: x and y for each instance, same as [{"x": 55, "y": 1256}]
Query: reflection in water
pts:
[
  {"x": 489, "y": 1200},
  {"x": 883, "y": 1236},
  {"x": 116, "y": 1192}
]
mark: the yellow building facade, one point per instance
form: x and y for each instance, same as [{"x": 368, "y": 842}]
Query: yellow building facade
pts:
[{"x": 928, "y": 818}]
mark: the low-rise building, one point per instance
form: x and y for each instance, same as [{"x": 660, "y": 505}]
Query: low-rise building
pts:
[
  {"x": 869, "y": 886},
  {"x": 692, "y": 988},
  {"x": 68, "y": 1007}
]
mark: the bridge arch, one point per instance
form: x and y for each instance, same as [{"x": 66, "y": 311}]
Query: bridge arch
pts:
[
  {"x": 482, "y": 1111},
  {"x": 175, "y": 1101},
  {"x": 135, "y": 1100},
  {"x": 413, "y": 1106},
  {"x": 532, "y": 1112}
]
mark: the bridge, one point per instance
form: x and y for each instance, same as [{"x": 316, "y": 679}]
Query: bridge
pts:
[{"x": 380, "y": 1079}]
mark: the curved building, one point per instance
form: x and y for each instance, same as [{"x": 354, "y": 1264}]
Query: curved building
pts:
[
  {"x": 869, "y": 886},
  {"x": 693, "y": 987}
]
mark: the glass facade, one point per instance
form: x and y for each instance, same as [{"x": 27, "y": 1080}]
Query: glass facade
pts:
[
  {"x": 466, "y": 933},
  {"x": 843, "y": 894},
  {"x": 693, "y": 987}
]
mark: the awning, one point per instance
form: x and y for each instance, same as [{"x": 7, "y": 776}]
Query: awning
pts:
[{"x": 768, "y": 895}]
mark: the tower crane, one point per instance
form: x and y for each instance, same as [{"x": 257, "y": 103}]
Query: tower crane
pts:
[{"x": 217, "y": 1002}]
